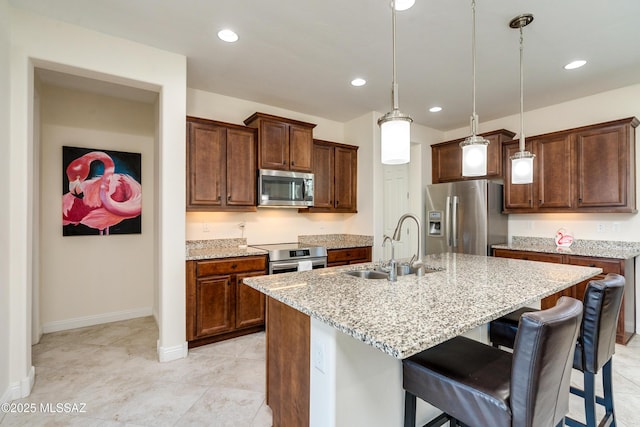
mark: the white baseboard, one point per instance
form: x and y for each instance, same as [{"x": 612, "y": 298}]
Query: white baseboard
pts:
[
  {"x": 167, "y": 354},
  {"x": 98, "y": 319},
  {"x": 21, "y": 388}
]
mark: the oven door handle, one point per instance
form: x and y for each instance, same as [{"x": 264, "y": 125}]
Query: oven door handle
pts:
[{"x": 287, "y": 265}]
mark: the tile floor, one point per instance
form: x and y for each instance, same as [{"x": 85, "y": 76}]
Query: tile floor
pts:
[{"x": 113, "y": 369}]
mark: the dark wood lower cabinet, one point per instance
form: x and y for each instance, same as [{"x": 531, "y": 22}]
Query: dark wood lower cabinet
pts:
[
  {"x": 288, "y": 359},
  {"x": 346, "y": 256},
  {"x": 219, "y": 305},
  {"x": 626, "y": 319}
]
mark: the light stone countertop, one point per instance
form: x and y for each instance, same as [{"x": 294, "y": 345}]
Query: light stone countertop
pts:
[
  {"x": 415, "y": 313},
  {"x": 591, "y": 248},
  {"x": 228, "y": 248},
  {"x": 337, "y": 241},
  {"x": 219, "y": 248}
]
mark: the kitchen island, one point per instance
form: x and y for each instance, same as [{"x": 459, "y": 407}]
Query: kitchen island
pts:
[{"x": 335, "y": 342}]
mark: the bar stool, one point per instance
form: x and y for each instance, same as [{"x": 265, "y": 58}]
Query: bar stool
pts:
[
  {"x": 479, "y": 385},
  {"x": 594, "y": 348}
]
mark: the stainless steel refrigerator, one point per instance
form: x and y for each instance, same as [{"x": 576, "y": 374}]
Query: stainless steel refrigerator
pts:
[{"x": 464, "y": 217}]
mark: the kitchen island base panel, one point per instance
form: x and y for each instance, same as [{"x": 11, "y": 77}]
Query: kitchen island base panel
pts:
[{"x": 354, "y": 384}]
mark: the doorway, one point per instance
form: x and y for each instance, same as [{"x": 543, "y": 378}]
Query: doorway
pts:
[{"x": 87, "y": 280}]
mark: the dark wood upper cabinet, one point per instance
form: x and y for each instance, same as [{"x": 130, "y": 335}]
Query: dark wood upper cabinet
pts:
[
  {"x": 335, "y": 169},
  {"x": 587, "y": 169},
  {"x": 447, "y": 157},
  {"x": 283, "y": 144},
  {"x": 221, "y": 166},
  {"x": 605, "y": 164},
  {"x": 554, "y": 156},
  {"x": 516, "y": 196}
]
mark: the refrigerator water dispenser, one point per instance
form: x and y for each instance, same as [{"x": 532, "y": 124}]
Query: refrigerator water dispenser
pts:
[{"x": 435, "y": 223}]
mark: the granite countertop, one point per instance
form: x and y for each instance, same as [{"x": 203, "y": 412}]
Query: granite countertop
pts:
[
  {"x": 227, "y": 248},
  {"x": 219, "y": 248},
  {"x": 337, "y": 241},
  {"x": 592, "y": 248},
  {"x": 415, "y": 313}
]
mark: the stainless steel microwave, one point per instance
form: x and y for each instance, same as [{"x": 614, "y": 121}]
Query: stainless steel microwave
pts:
[{"x": 284, "y": 189}]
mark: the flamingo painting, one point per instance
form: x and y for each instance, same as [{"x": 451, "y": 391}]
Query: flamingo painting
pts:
[{"x": 98, "y": 200}]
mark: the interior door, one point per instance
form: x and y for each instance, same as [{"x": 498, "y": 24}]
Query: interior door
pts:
[{"x": 396, "y": 204}]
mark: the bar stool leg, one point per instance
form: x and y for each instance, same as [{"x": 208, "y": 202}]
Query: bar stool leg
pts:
[
  {"x": 608, "y": 392},
  {"x": 590, "y": 399},
  {"x": 409, "y": 410}
]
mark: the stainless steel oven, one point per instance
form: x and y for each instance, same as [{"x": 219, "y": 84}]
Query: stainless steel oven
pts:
[{"x": 288, "y": 257}]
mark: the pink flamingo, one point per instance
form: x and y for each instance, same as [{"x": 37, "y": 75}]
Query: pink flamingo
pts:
[{"x": 103, "y": 201}]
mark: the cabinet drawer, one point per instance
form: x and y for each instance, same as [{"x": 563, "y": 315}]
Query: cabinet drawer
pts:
[
  {"x": 530, "y": 256},
  {"x": 349, "y": 254},
  {"x": 607, "y": 265},
  {"x": 230, "y": 266}
]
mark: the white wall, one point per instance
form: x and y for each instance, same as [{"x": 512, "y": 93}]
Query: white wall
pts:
[
  {"x": 276, "y": 225},
  {"x": 93, "y": 279},
  {"x": 37, "y": 41},
  {"x": 5, "y": 247},
  {"x": 606, "y": 106}
]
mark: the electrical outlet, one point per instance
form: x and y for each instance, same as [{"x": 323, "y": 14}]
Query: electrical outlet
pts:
[
  {"x": 319, "y": 357},
  {"x": 600, "y": 228},
  {"x": 615, "y": 227},
  {"x": 205, "y": 227}
]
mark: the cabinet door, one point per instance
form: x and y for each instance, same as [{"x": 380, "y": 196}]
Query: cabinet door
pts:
[
  {"x": 273, "y": 145},
  {"x": 214, "y": 305},
  {"x": 300, "y": 148},
  {"x": 602, "y": 158},
  {"x": 494, "y": 155},
  {"x": 241, "y": 168},
  {"x": 323, "y": 176},
  {"x": 553, "y": 171},
  {"x": 345, "y": 182},
  {"x": 206, "y": 168},
  {"x": 250, "y": 304},
  {"x": 447, "y": 162},
  {"x": 516, "y": 196}
]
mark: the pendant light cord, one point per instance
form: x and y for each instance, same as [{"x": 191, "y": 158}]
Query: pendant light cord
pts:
[
  {"x": 474, "y": 116},
  {"x": 522, "y": 141},
  {"x": 394, "y": 84}
]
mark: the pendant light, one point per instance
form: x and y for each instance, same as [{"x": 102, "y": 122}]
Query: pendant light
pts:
[
  {"x": 395, "y": 127},
  {"x": 474, "y": 148},
  {"x": 522, "y": 161}
]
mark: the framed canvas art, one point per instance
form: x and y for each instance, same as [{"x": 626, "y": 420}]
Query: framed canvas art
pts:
[{"x": 101, "y": 192}]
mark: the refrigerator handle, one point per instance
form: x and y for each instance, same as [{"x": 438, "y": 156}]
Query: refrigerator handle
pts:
[
  {"x": 454, "y": 220},
  {"x": 447, "y": 221}
]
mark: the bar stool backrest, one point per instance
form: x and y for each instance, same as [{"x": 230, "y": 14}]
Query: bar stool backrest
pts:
[
  {"x": 602, "y": 300},
  {"x": 542, "y": 363}
]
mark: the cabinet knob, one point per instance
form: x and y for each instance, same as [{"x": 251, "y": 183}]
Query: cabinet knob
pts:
[
  {"x": 580, "y": 200},
  {"x": 592, "y": 265},
  {"x": 234, "y": 266},
  {"x": 228, "y": 197},
  {"x": 293, "y": 163},
  {"x": 337, "y": 202},
  {"x": 218, "y": 198}
]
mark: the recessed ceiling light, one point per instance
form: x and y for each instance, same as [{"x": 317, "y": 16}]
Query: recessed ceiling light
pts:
[
  {"x": 435, "y": 109},
  {"x": 227, "y": 35},
  {"x": 575, "y": 64},
  {"x": 403, "y": 4},
  {"x": 358, "y": 82}
]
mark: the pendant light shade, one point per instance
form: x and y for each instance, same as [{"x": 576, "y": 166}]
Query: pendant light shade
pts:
[
  {"x": 395, "y": 127},
  {"x": 395, "y": 137},
  {"x": 522, "y": 161},
  {"x": 474, "y": 148}
]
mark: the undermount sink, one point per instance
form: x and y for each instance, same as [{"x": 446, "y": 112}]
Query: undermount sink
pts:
[{"x": 368, "y": 274}]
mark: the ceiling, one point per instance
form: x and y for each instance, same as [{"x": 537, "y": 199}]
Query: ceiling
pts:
[{"x": 302, "y": 56}]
